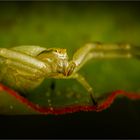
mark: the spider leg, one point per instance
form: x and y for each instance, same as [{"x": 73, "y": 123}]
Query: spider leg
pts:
[
  {"x": 25, "y": 71},
  {"x": 24, "y": 59},
  {"x": 98, "y": 51},
  {"x": 86, "y": 85}
]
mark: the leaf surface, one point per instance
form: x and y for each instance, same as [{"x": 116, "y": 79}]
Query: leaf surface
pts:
[{"x": 64, "y": 25}]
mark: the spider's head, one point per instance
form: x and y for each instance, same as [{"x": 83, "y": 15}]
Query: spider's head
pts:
[
  {"x": 57, "y": 59},
  {"x": 61, "y": 59},
  {"x": 60, "y": 53},
  {"x": 63, "y": 65}
]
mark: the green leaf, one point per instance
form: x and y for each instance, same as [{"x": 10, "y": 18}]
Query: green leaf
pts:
[{"x": 67, "y": 25}]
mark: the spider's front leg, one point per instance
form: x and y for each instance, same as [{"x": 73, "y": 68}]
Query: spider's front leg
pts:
[
  {"x": 103, "y": 51},
  {"x": 98, "y": 50},
  {"x": 86, "y": 85},
  {"x": 79, "y": 59}
]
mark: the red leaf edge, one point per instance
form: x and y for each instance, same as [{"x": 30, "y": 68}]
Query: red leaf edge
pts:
[{"x": 71, "y": 109}]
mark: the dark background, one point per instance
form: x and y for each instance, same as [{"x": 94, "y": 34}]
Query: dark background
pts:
[{"x": 121, "y": 120}]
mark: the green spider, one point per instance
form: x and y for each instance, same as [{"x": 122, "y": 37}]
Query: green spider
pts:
[{"x": 25, "y": 67}]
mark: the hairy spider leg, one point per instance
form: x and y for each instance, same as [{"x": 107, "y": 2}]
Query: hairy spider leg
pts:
[
  {"x": 96, "y": 50},
  {"x": 86, "y": 85},
  {"x": 24, "y": 59},
  {"x": 26, "y": 71}
]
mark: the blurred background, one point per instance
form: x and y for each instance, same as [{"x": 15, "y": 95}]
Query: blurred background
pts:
[{"x": 71, "y": 25}]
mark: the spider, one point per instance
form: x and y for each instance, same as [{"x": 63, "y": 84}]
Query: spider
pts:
[{"x": 25, "y": 67}]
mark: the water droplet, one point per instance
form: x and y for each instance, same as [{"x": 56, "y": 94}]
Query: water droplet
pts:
[
  {"x": 76, "y": 102},
  {"x": 49, "y": 101},
  {"x": 51, "y": 108},
  {"x": 47, "y": 94},
  {"x": 11, "y": 107}
]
